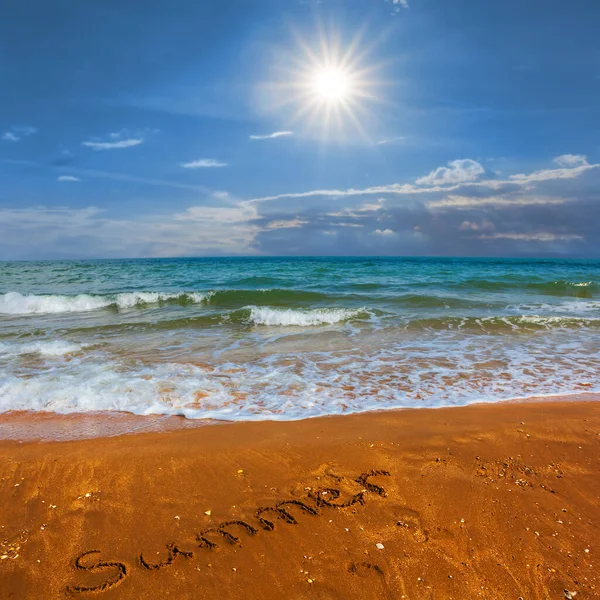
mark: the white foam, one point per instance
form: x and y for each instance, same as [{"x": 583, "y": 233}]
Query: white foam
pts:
[
  {"x": 553, "y": 322},
  {"x": 286, "y": 317},
  {"x": 441, "y": 371},
  {"x": 132, "y": 299},
  {"x": 43, "y": 348},
  {"x": 14, "y": 303},
  {"x": 92, "y": 386},
  {"x": 567, "y": 308}
]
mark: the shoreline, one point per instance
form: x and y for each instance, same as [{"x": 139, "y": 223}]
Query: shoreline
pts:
[
  {"x": 46, "y": 426},
  {"x": 485, "y": 501}
]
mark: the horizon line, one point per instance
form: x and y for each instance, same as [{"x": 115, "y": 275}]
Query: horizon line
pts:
[{"x": 305, "y": 256}]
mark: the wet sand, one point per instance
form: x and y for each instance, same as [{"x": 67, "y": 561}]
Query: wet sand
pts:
[{"x": 490, "y": 501}]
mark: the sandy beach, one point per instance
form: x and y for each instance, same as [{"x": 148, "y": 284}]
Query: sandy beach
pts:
[
  {"x": 299, "y": 300},
  {"x": 488, "y": 501}
]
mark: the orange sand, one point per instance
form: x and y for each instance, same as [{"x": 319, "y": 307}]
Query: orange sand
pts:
[{"x": 497, "y": 502}]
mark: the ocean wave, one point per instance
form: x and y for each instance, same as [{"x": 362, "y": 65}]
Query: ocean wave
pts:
[
  {"x": 14, "y": 303},
  {"x": 43, "y": 348},
  {"x": 549, "y": 322},
  {"x": 133, "y": 299},
  {"x": 427, "y": 301},
  {"x": 231, "y": 298},
  {"x": 264, "y": 315},
  {"x": 502, "y": 324},
  {"x": 561, "y": 287},
  {"x": 568, "y": 308},
  {"x": 291, "y": 298},
  {"x": 257, "y": 280}
]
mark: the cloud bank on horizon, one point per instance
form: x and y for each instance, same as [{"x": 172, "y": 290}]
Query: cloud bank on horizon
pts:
[
  {"x": 548, "y": 212},
  {"x": 480, "y": 143}
]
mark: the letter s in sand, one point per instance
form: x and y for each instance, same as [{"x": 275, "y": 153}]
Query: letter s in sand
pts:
[{"x": 119, "y": 572}]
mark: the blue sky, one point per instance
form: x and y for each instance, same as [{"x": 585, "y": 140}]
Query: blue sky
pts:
[{"x": 189, "y": 128}]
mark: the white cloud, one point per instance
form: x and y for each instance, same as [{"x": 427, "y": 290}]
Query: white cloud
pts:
[
  {"x": 457, "y": 171},
  {"x": 123, "y": 138},
  {"x": 399, "y": 5},
  {"x": 468, "y": 202},
  {"x": 203, "y": 163},
  {"x": 468, "y": 226},
  {"x": 345, "y": 212},
  {"x": 17, "y": 132},
  {"x": 473, "y": 226},
  {"x": 405, "y": 189},
  {"x": 113, "y": 145},
  {"x": 543, "y": 236},
  {"x": 394, "y": 140},
  {"x": 200, "y": 230},
  {"x": 384, "y": 232},
  {"x": 551, "y": 174},
  {"x": 68, "y": 178},
  {"x": 347, "y": 224},
  {"x": 571, "y": 160},
  {"x": 395, "y": 188},
  {"x": 271, "y": 136},
  {"x": 373, "y": 206},
  {"x": 360, "y": 211},
  {"x": 286, "y": 224}
]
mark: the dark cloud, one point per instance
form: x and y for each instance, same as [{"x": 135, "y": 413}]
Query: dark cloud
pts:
[
  {"x": 555, "y": 216},
  {"x": 547, "y": 213}
]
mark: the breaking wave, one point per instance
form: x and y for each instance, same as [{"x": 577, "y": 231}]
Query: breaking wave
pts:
[
  {"x": 262, "y": 315},
  {"x": 14, "y": 303}
]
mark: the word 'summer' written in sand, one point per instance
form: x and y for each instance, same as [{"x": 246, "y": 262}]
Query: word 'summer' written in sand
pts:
[{"x": 228, "y": 532}]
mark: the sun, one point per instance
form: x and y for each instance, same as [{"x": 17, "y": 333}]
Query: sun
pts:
[
  {"x": 329, "y": 83},
  {"x": 332, "y": 84},
  {"x": 332, "y": 90}
]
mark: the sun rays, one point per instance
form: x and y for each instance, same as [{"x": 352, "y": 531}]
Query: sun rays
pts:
[{"x": 327, "y": 85}]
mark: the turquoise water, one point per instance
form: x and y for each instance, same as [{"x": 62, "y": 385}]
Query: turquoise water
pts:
[{"x": 291, "y": 338}]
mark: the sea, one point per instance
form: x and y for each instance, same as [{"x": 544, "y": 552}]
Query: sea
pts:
[{"x": 291, "y": 338}]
